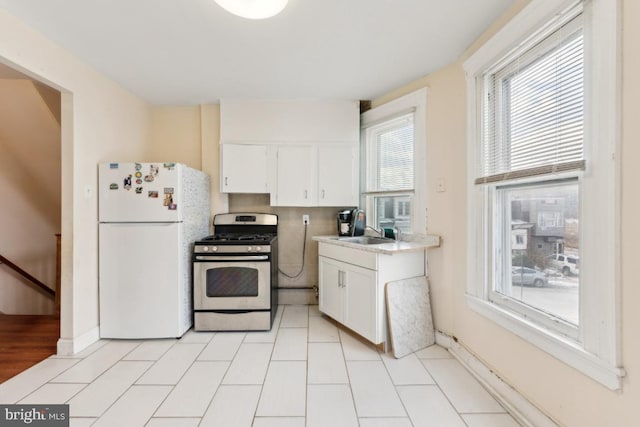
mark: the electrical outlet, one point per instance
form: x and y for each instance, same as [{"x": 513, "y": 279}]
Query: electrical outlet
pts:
[{"x": 305, "y": 219}]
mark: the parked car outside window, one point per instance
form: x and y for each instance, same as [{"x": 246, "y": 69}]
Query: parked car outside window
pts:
[
  {"x": 528, "y": 277},
  {"x": 567, "y": 264}
]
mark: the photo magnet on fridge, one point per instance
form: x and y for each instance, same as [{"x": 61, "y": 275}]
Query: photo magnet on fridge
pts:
[
  {"x": 153, "y": 194},
  {"x": 127, "y": 182}
]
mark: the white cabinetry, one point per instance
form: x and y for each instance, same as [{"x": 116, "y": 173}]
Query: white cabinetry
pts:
[
  {"x": 352, "y": 281},
  {"x": 338, "y": 175},
  {"x": 348, "y": 295},
  {"x": 244, "y": 168},
  {"x": 316, "y": 175},
  {"x": 305, "y": 153}
]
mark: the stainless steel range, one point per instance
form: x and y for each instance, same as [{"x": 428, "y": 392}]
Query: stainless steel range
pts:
[{"x": 235, "y": 274}]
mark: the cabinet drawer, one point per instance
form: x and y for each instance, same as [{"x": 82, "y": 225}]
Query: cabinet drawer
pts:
[{"x": 351, "y": 256}]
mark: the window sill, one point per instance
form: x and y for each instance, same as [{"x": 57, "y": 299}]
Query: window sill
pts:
[{"x": 561, "y": 348}]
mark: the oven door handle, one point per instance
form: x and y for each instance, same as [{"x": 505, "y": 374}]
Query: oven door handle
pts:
[{"x": 232, "y": 258}]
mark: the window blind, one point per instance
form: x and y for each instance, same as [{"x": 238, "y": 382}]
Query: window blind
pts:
[
  {"x": 534, "y": 109},
  {"x": 390, "y": 149}
]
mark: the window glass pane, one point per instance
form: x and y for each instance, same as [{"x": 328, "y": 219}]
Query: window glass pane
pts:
[
  {"x": 393, "y": 211},
  {"x": 543, "y": 236}
]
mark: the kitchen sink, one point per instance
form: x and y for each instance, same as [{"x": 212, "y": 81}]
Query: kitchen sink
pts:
[{"x": 366, "y": 240}]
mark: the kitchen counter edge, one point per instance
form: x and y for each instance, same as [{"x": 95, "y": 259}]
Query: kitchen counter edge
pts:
[{"x": 425, "y": 242}]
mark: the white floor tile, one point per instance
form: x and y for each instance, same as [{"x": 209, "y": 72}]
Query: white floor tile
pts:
[
  {"x": 489, "y": 420},
  {"x": 278, "y": 422},
  {"x": 27, "y": 382},
  {"x": 433, "y": 352},
  {"x": 291, "y": 344},
  {"x": 173, "y": 422},
  {"x": 150, "y": 350},
  {"x": 250, "y": 364},
  {"x": 172, "y": 365},
  {"x": 373, "y": 391},
  {"x": 356, "y": 349},
  {"x": 223, "y": 346},
  {"x": 135, "y": 407},
  {"x": 295, "y": 316},
  {"x": 91, "y": 367},
  {"x": 53, "y": 394},
  {"x": 192, "y": 395},
  {"x": 385, "y": 422},
  {"x": 427, "y": 406},
  {"x": 330, "y": 405},
  {"x": 232, "y": 406},
  {"x": 266, "y": 336},
  {"x": 196, "y": 337},
  {"x": 284, "y": 390},
  {"x": 314, "y": 310},
  {"x": 465, "y": 392},
  {"x": 326, "y": 364},
  {"x": 322, "y": 330},
  {"x": 406, "y": 370},
  {"x": 94, "y": 400}
]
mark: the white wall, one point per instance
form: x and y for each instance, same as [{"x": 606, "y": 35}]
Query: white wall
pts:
[
  {"x": 100, "y": 121},
  {"x": 566, "y": 395}
]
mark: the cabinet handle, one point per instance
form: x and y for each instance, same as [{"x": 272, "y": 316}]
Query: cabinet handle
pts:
[
  {"x": 323, "y": 194},
  {"x": 339, "y": 278},
  {"x": 305, "y": 194},
  {"x": 226, "y": 181}
]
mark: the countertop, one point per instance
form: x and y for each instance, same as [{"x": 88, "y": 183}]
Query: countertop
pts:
[{"x": 417, "y": 243}]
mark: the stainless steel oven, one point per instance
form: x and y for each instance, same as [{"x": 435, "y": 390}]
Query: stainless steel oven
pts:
[{"x": 235, "y": 274}]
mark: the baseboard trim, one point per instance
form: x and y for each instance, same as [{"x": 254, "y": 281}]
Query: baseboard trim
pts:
[
  {"x": 71, "y": 346},
  {"x": 526, "y": 413}
]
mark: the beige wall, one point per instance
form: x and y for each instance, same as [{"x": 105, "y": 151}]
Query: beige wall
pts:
[
  {"x": 29, "y": 192},
  {"x": 569, "y": 397},
  {"x": 100, "y": 122}
]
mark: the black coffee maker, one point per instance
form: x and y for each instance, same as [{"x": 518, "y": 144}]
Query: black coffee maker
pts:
[
  {"x": 345, "y": 224},
  {"x": 351, "y": 222}
]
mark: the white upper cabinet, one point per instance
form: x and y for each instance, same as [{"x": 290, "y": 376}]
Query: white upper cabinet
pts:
[
  {"x": 244, "y": 169},
  {"x": 338, "y": 175},
  {"x": 316, "y": 175},
  {"x": 279, "y": 121},
  {"x": 305, "y": 153},
  {"x": 295, "y": 173}
]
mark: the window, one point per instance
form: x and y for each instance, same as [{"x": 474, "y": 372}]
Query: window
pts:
[
  {"x": 392, "y": 144},
  {"x": 541, "y": 157}
]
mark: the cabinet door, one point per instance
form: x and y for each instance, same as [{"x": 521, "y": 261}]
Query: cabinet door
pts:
[
  {"x": 360, "y": 301},
  {"x": 294, "y": 178},
  {"x": 338, "y": 175},
  {"x": 244, "y": 169},
  {"x": 329, "y": 288}
]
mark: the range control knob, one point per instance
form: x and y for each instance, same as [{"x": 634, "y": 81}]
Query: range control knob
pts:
[
  {"x": 214, "y": 248},
  {"x": 249, "y": 248},
  {"x": 205, "y": 248},
  {"x": 258, "y": 248}
]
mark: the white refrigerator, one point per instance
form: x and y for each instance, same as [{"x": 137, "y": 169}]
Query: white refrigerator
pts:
[{"x": 149, "y": 216}]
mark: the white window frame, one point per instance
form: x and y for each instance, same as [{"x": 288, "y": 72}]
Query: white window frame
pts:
[
  {"x": 597, "y": 351},
  {"x": 416, "y": 102}
]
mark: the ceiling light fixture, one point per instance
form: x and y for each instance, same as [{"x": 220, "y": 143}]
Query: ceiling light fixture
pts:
[{"x": 253, "y": 9}]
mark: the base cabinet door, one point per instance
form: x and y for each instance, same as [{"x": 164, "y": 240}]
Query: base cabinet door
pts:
[
  {"x": 360, "y": 301},
  {"x": 330, "y": 289},
  {"x": 347, "y": 293}
]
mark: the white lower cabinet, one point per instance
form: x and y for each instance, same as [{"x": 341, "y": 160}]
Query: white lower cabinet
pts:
[
  {"x": 348, "y": 295},
  {"x": 351, "y": 285}
]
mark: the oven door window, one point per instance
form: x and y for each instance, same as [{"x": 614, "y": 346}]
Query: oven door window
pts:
[{"x": 232, "y": 282}]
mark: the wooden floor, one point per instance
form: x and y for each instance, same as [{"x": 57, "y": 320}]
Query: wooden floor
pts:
[{"x": 26, "y": 340}]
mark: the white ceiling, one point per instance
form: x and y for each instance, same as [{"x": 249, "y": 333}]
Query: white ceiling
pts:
[{"x": 187, "y": 52}]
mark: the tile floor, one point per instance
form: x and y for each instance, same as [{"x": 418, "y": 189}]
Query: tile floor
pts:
[{"x": 304, "y": 372}]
